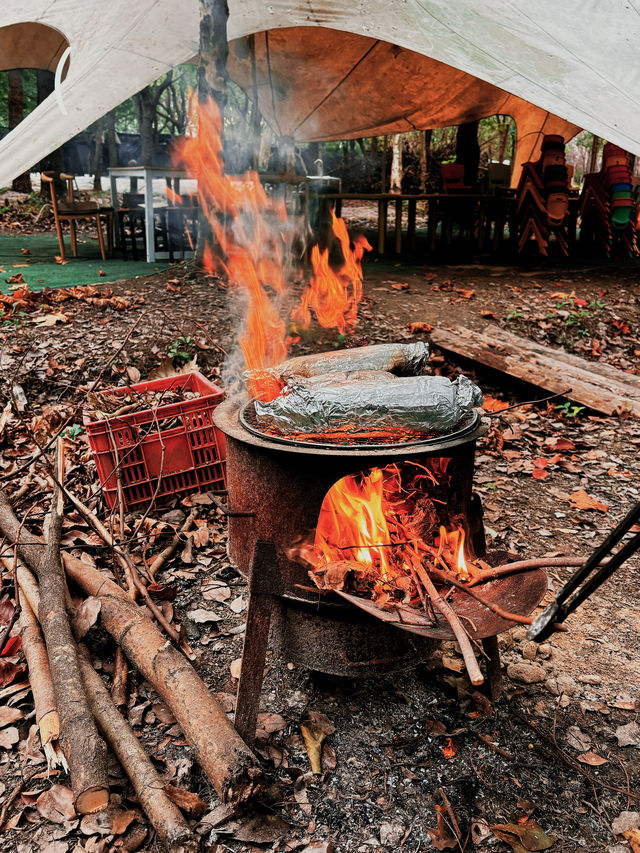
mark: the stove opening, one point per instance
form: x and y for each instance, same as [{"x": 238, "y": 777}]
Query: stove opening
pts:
[{"x": 381, "y": 529}]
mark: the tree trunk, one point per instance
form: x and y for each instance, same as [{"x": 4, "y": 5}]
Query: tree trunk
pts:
[
  {"x": 595, "y": 144},
  {"x": 21, "y": 184},
  {"x": 255, "y": 108},
  {"x": 45, "y": 82},
  {"x": 112, "y": 144},
  {"x": 425, "y": 149},
  {"x": 504, "y": 123},
  {"x": 383, "y": 167},
  {"x": 212, "y": 81},
  {"x": 145, "y": 109},
  {"x": 97, "y": 158},
  {"x": 396, "y": 164}
]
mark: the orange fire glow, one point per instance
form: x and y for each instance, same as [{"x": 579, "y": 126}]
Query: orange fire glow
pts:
[
  {"x": 376, "y": 522},
  {"x": 250, "y": 230},
  {"x": 334, "y": 295}
]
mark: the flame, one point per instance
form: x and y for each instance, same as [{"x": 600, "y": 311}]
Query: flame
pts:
[
  {"x": 450, "y": 749},
  {"x": 334, "y": 295},
  {"x": 377, "y": 520},
  {"x": 250, "y": 230}
]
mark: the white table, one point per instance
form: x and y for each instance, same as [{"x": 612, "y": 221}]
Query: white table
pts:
[{"x": 148, "y": 174}]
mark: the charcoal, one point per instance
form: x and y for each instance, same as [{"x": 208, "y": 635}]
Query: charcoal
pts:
[
  {"x": 423, "y": 403},
  {"x": 401, "y": 359}
]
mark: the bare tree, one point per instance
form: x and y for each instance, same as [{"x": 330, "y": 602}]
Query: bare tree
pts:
[
  {"x": 396, "y": 163},
  {"x": 146, "y": 102}
]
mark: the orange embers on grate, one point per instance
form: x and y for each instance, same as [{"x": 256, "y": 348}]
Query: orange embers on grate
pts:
[{"x": 382, "y": 527}]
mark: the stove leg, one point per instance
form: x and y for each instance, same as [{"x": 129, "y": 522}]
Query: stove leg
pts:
[
  {"x": 494, "y": 673},
  {"x": 254, "y": 650}
]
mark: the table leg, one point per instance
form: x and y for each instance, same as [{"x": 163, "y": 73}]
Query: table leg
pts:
[
  {"x": 114, "y": 204},
  {"x": 148, "y": 217},
  {"x": 411, "y": 226},
  {"x": 382, "y": 225},
  {"x": 398, "y": 246}
]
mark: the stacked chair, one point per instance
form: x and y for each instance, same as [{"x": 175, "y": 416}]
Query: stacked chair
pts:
[
  {"x": 607, "y": 206},
  {"x": 542, "y": 205}
]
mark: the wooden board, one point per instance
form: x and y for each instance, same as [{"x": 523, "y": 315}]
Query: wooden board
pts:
[{"x": 599, "y": 386}]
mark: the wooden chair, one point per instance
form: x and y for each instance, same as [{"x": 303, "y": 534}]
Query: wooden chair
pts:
[{"x": 71, "y": 209}]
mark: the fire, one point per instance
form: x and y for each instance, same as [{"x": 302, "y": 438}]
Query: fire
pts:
[
  {"x": 385, "y": 524},
  {"x": 334, "y": 295},
  {"x": 252, "y": 236}
]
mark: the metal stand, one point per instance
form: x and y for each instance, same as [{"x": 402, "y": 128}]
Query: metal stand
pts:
[
  {"x": 494, "y": 673},
  {"x": 264, "y": 584}
]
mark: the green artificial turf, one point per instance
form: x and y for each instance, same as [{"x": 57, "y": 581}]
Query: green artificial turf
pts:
[{"x": 40, "y": 270}]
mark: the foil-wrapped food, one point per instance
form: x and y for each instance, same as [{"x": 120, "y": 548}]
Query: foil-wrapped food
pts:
[
  {"x": 317, "y": 404},
  {"x": 401, "y": 359}
]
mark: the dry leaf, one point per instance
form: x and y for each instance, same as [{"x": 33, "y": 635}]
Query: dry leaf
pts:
[
  {"x": 628, "y": 735},
  {"x": 9, "y": 737},
  {"x": 9, "y": 715},
  {"x": 490, "y": 404},
  {"x": 101, "y": 273},
  {"x": 465, "y": 294},
  {"x": 9, "y": 671},
  {"x": 189, "y": 802},
  {"x": 235, "y": 667},
  {"x": 201, "y": 616},
  {"x": 56, "y": 804},
  {"x": 269, "y": 723},
  {"x": 259, "y": 829},
  {"x": 420, "y": 326},
  {"x": 581, "y": 500},
  {"x": 215, "y": 590},
  {"x": 528, "y": 837},
  {"x": 578, "y": 739},
  {"x": 86, "y": 617},
  {"x": 166, "y": 368},
  {"x": 313, "y": 737},
  {"x": 51, "y": 319},
  {"x": 624, "y": 822},
  {"x": 592, "y": 758},
  {"x": 11, "y": 647},
  {"x": 133, "y": 373},
  {"x": 633, "y": 837},
  {"x": 442, "y": 837},
  {"x": 558, "y": 443},
  {"x": 321, "y": 720},
  {"x": 109, "y": 822}
]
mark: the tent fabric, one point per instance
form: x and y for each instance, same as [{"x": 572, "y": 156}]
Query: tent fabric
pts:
[
  {"x": 348, "y": 86},
  {"x": 574, "y": 60}
]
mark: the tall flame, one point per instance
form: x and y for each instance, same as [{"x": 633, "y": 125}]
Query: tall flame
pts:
[
  {"x": 251, "y": 233},
  {"x": 333, "y": 295},
  {"x": 373, "y": 520}
]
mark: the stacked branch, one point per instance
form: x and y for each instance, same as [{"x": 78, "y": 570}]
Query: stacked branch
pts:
[
  {"x": 163, "y": 814},
  {"x": 222, "y": 754}
]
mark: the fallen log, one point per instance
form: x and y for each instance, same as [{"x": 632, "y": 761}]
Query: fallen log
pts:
[
  {"x": 84, "y": 749},
  {"x": 163, "y": 814},
  {"x": 119, "y": 680},
  {"x": 225, "y": 758},
  {"x": 592, "y": 383},
  {"x": 35, "y": 652}
]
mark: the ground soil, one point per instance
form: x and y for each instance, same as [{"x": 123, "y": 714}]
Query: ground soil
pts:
[{"x": 385, "y": 770}]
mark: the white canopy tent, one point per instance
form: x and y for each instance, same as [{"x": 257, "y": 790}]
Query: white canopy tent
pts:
[{"x": 575, "y": 61}]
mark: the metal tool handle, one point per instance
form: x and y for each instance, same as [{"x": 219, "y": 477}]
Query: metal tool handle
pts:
[{"x": 542, "y": 626}]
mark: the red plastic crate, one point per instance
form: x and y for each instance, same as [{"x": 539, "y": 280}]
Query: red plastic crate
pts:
[{"x": 194, "y": 457}]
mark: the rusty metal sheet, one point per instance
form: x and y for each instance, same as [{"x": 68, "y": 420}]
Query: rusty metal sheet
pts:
[{"x": 517, "y": 593}]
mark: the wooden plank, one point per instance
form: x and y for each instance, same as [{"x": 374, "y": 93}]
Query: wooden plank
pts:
[{"x": 599, "y": 386}]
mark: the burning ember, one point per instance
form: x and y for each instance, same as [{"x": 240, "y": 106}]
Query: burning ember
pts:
[
  {"x": 380, "y": 531},
  {"x": 253, "y": 241}
]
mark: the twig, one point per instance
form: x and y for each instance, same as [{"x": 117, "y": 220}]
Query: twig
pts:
[
  {"x": 169, "y": 549},
  {"x": 526, "y": 565},
  {"x": 494, "y": 746},
  {"x": 475, "y": 675},
  {"x": 571, "y": 762},
  {"x": 527, "y": 403}
]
